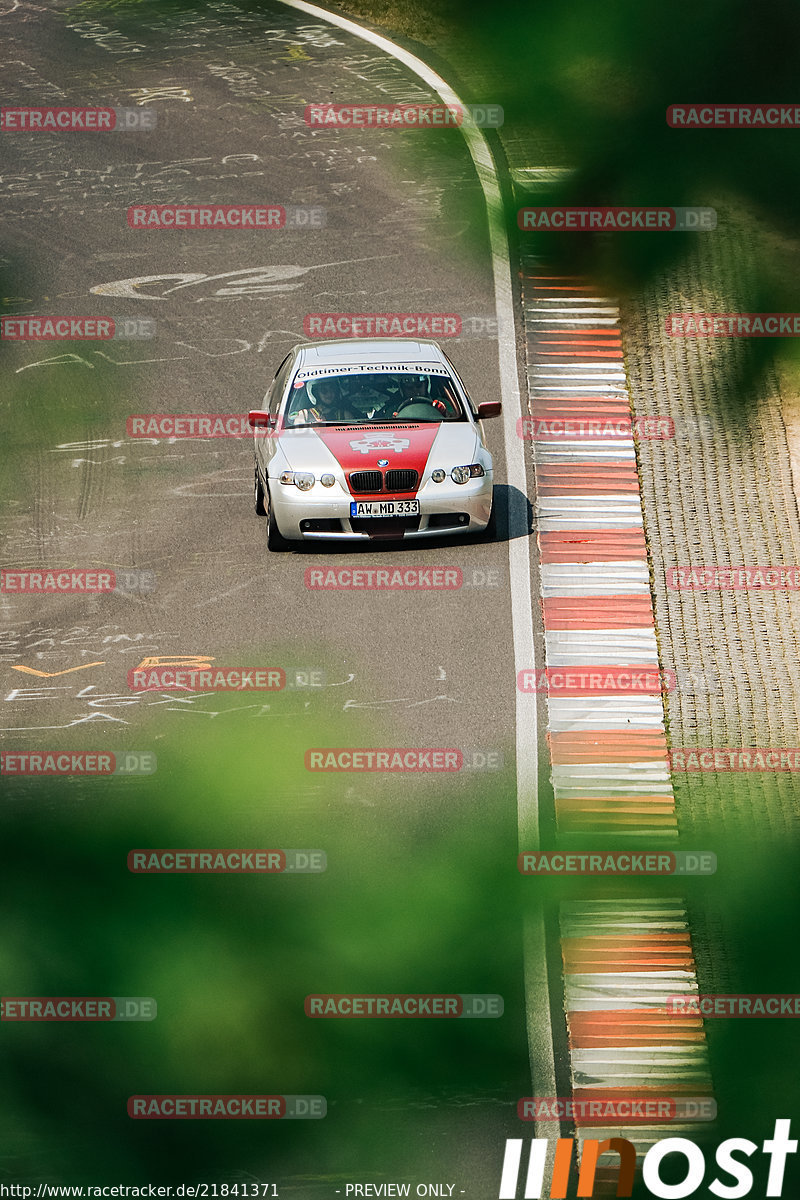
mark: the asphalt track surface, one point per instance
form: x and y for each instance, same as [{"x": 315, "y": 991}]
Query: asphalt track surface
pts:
[{"x": 404, "y": 231}]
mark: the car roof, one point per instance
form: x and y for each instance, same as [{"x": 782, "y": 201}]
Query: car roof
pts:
[{"x": 367, "y": 351}]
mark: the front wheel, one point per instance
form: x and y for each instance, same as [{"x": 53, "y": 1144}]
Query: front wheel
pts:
[
  {"x": 275, "y": 539},
  {"x": 258, "y": 495}
]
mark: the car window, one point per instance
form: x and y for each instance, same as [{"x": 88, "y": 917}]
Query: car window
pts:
[
  {"x": 278, "y": 385},
  {"x": 344, "y": 397}
]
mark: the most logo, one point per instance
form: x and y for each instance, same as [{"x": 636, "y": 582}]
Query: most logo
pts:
[{"x": 380, "y": 440}]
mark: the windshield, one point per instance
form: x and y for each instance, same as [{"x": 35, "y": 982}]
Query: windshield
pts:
[{"x": 344, "y": 397}]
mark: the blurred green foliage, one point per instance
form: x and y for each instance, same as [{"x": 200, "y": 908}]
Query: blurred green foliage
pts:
[{"x": 409, "y": 903}]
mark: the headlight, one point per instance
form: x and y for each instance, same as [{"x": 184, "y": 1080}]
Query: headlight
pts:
[
  {"x": 464, "y": 474},
  {"x": 327, "y": 480},
  {"x": 301, "y": 479},
  {"x": 438, "y": 475}
]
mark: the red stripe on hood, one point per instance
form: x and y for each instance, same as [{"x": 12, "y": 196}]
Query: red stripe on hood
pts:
[{"x": 358, "y": 447}]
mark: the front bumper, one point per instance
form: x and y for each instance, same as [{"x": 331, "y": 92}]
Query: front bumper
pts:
[{"x": 446, "y": 508}]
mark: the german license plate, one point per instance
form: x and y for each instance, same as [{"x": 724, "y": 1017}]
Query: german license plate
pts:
[{"x": 384, "y": 508}]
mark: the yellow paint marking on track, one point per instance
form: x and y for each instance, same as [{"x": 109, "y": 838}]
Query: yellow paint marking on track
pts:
[
  {"x": 296, "y": 52},
  {"x": 52, "y": 674}
]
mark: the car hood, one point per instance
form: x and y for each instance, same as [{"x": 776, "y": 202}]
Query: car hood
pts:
[{"x": 363, "y": 447}]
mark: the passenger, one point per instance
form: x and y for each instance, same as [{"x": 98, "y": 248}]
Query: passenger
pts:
[{"x": 327, "y": 405}]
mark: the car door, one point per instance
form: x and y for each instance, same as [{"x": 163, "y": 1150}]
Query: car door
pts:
[{"x": 267, "y": 446}]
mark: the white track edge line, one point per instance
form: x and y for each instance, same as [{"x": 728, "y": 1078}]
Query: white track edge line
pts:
[{"x": 537, "y": 994}]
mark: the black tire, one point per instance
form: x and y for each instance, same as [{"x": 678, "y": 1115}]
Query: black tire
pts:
[
  {"x": 258, "y": 495},
  {"x": 275, "y": 539}
]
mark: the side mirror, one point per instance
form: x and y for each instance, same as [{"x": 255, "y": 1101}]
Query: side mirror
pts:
[
  {"x": 258, "y": 419},
  {"x": 489, "y": 408}
]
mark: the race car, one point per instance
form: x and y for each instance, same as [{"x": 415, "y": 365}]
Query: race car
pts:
[{"x": 370, "y": 439}]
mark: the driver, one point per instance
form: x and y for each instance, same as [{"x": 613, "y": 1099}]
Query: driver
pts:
[{"x": 412, "y": 390}]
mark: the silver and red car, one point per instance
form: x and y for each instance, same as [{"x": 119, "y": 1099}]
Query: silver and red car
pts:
[{"x": 370, "y": 439}]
